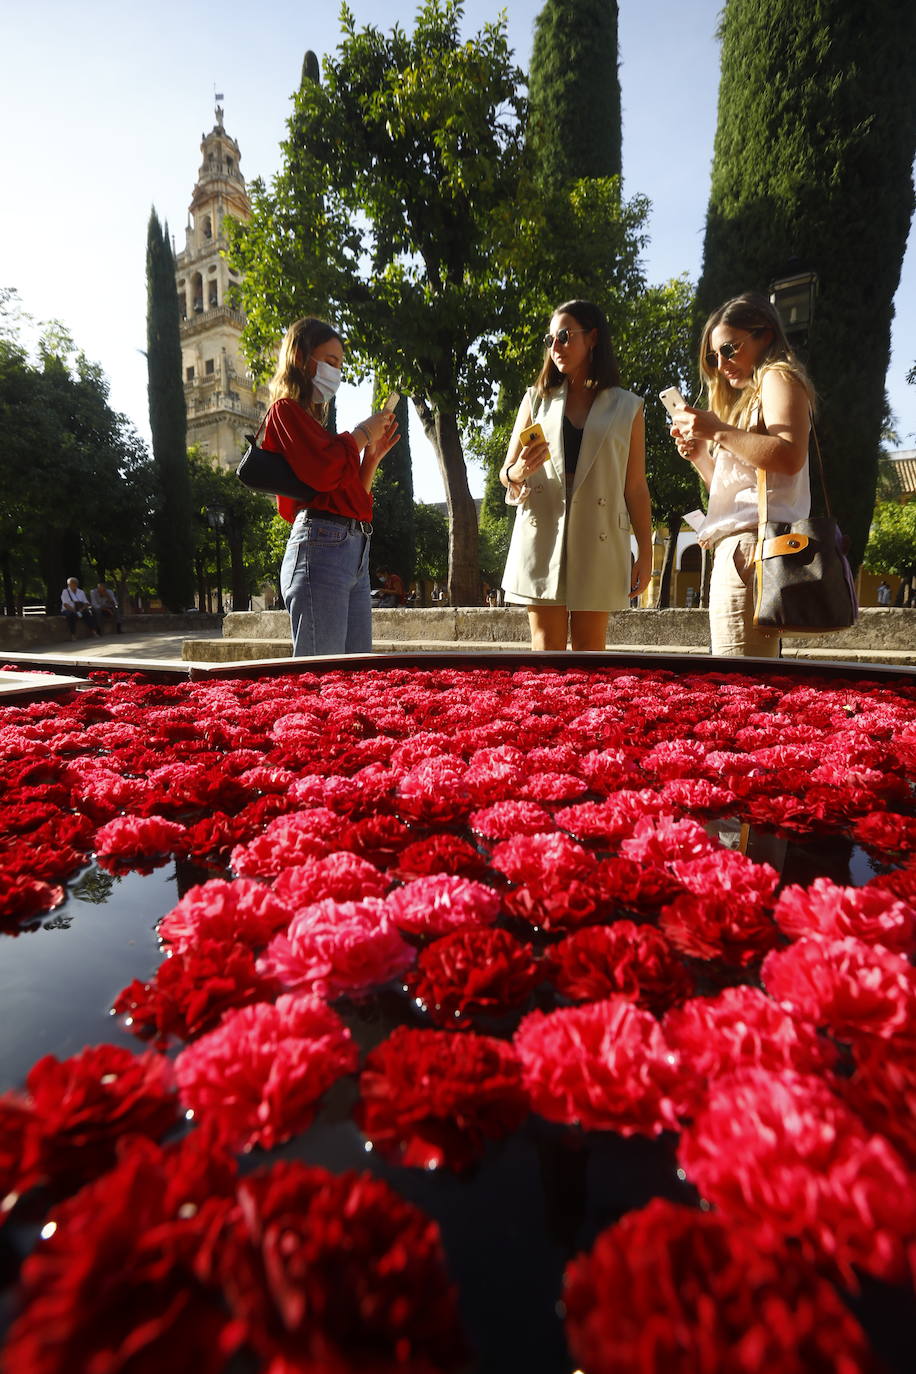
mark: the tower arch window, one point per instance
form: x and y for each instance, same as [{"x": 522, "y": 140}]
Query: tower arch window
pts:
[{"x": 197, "y": 292}]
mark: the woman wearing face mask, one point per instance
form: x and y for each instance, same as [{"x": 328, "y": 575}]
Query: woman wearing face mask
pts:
[
  {"x": 580, "y": 490},
  {"x": 759, "y": 417},
  {"x": 325, "y": 574}
]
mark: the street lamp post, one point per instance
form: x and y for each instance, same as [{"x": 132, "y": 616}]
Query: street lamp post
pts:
[
  {"x": 794, "y": 298},
  {"x": 216, "y": 519}
]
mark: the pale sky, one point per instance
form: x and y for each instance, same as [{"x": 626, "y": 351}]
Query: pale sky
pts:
[{"x": 103, "y": 106}]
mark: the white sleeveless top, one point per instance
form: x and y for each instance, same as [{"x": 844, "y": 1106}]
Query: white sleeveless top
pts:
[{"x": 732, "y": 505}]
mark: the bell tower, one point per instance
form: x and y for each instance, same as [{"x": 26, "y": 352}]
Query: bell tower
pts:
[{"x": 222, "y": 399}]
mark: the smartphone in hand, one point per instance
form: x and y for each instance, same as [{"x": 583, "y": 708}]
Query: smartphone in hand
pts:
[
  {"x": 529, "y": 435},
  {"x": 672, "y": 400},
  {"x": 392, "y": 401}
]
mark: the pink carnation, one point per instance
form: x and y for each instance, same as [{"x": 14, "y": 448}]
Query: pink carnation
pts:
[
  {"x": 288, "y": 840},
  {"x": 664, "y": 839},
  {"x": 552, "y": 858},
  {"x": 140, "y": 837},
  {"x": 871, "y": 914},
  {"x": 742, "y": 1026},
  {"x": 258, "y": 1077},
  {"x": 780, "y": 1155},
  {"x": 243, "y": 911},
  {"x": 336, "y": 948},
  {"x": 341, "y": 876},
  {"x": 851, "y": 988},
  {"x": 440, "y": 903},
  {"x": 506, "y": 819},
  {"x": 605, "y": 1066}
]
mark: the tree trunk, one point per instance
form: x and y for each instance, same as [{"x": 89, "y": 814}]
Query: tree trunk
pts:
[
  {"x": 9, "y": 598},
  {"x": 673, "y": 522},
  {"x": 241, "y": 596},
  {"x": 463, "y": 553}
]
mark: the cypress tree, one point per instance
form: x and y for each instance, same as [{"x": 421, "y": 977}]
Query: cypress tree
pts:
[
  {"x": 812, "y": 172},
  {"x": 168, "y": 424},
  {"x": 574, "y": 91}
]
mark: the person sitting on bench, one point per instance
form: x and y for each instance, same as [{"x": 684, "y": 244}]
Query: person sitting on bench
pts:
[
  {"x": 105, "y": 603},
  {"x": 74, "y": 605}
]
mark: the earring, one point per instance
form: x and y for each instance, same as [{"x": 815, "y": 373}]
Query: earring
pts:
[{"x": 590, "y": 382}]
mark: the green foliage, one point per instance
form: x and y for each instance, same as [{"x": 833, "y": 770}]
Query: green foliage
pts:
[
  {"x": 812, "y": 171},
  {"x": 168, "y": 423},
  {"x": 393, "y": 536},
  {"x": 394, "y": 213},
  {"x": 575, "y": 125},
  {"x": 77, "y": 479},
  {"x": 891, "y": 544},
  {"x": 248, "y": 532},
  {"x": 432, "y": 542}
]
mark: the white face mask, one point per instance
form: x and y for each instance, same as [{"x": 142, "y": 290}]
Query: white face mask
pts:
[{"x": 326, "y": 381}]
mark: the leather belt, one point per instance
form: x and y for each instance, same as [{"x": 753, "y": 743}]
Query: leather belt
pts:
[{"x": 354, "y": 526}]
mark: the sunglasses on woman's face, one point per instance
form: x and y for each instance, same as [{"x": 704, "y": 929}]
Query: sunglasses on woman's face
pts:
[
  {"x": 728, "y": 350},
  {"x": 562, "y": 337}
]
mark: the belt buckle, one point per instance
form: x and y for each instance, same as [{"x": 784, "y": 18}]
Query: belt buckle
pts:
[{"x": 365, "y": 527}]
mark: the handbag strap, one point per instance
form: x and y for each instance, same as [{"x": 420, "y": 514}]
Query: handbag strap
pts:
[
  {"x": 254, "y": 438},
  {"x": 762, "y": 484}
]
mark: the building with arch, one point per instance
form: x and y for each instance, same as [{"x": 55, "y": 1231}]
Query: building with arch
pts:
[{"x": 224, "y": 403}]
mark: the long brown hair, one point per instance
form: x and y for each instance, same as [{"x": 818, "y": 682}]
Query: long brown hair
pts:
[
  {"x": 291, "y": 378},
  {"x": 755, "y": 314},
  {"x": 603, "y": 371}
]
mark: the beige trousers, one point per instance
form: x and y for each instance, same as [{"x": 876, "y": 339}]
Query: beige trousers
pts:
[{"x": 731, "y": 601}]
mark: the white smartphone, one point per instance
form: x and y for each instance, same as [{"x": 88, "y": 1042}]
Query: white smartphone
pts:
[
  {"x": 672, "y": 400},
  {"x": 392, "y": 401}
]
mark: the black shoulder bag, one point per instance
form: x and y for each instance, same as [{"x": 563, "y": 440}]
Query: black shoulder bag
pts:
[
  {"x": 263, "y": 470},
  {"x": 803, "y": 584}
]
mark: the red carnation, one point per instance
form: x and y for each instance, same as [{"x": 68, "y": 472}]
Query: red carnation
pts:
[
  {"x": 506, "y": 819},
  {"x": 440, "y": 854},
  {"x": 113, "y": 1285},
  {"x": 882, "y": 1091},
  {"x": 81, "y": 1107},
  {"x": 431, "y": 1098},
  {"x": 851, "y": 988},
  {"x": 472, "y": 971},
  {"x": 779, "y": 1154},
  {"x": 605, "y": 1066},
  {"x": 258, "y": 1077},
  {"x": 22, "y": 897},
  {"x": 442, "y": 902},
  {"x": 635, "y": 962},
  {"x": 335, "y": 1273},
  {"x": 718, "y": 926},
  {"x": 192, "y": 990},
  {"x": 673, "y": 1289},
  {"x": 661, "y": 840}
]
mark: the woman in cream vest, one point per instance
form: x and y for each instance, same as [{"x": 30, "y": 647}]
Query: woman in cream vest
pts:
[{"x": 579, "y": 490}]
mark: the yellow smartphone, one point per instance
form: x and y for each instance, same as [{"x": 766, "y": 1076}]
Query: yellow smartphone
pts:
[{"x": 529, "y": 435}]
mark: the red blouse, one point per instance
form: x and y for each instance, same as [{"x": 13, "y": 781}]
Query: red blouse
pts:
[{"x": 327, "y": 462}]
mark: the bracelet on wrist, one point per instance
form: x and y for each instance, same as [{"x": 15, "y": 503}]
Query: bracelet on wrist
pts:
[{"x": 365, "y": 431}]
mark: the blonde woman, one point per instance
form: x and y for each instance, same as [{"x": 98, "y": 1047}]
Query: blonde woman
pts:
[
  {"x": 760, "y": 401},
  {"x": 325, "y": 574},
  {"x": 582, "y": 488}
]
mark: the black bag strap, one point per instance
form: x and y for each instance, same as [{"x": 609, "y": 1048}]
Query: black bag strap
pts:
[
  {"x": 253, "y": 438},
  {"x": 762, "y": 514}
]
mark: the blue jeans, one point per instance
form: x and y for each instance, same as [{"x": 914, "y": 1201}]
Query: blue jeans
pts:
[{"x": 325, "y": 584}]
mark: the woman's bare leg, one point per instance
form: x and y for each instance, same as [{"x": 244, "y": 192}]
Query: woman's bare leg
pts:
[
  {"x": 548, "y": 625},
  {"x": 589, "y": 630}
]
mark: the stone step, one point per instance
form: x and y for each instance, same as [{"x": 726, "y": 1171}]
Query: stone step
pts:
[
  {"x": 879, "y": 629},
  {"x": 258, "y": 650}
]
